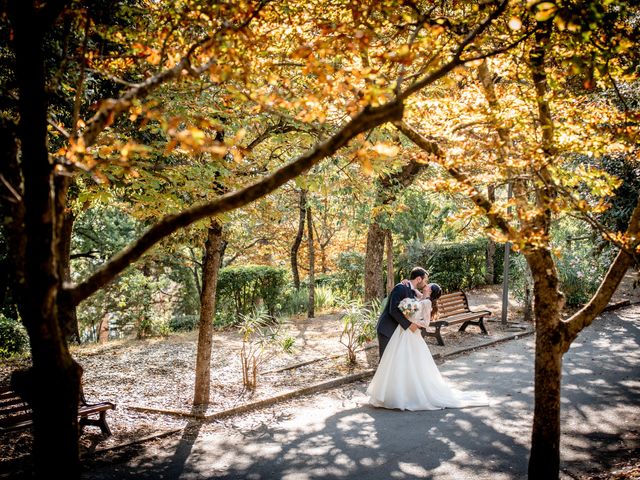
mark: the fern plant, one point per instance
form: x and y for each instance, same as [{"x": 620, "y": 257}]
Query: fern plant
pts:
[
  {"x": 358, "y": 327},
  {"x": 262, "y": 338}
]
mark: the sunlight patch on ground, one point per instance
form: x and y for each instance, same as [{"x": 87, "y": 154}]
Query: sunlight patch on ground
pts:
[
  {"x": 579, "y": 371},
  {"x": 413, "y": 469}
]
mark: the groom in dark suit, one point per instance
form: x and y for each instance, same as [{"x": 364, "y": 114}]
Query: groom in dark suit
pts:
[{"x": 391, "y": 316}]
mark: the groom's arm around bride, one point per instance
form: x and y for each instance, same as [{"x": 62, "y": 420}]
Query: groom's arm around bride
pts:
[{"x": 391, "y": 316}]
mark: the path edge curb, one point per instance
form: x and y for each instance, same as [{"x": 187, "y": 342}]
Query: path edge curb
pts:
[{"x": 316, "y": 388}]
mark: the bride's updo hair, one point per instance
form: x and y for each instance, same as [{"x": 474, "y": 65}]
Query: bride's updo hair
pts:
[{"x": 436, "y": 293}]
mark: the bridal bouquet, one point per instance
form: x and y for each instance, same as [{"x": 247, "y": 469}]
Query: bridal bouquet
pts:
[{"x": 408, "y": 306}]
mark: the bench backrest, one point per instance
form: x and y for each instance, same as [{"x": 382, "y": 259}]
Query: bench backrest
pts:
[
  {"x": 13, "y": 409},
  {"x": 452, "y": 304}
]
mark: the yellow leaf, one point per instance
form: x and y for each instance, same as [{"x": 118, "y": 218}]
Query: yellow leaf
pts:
[
  {"x": 386, "y": 149},
  {"x": 545, "y": 10},
  {"x": 367, "y": 168}
]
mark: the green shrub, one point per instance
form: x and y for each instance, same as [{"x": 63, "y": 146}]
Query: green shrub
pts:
[
  {"x": 580, "y": 276},
  {"x": 324, "y": 298},
  {"x": 262, "y": 338},
  {"x": 13, "y": 337},
  {"x": 243, "y": 289},
  {"x": 580, "y": 271},
  {"x": 225, "y": 319},
  {"x": 349, "y": 280},
  {"x": 297, "y": 301},
  {"x": 183, "y": 323},
  {"x": 454, "y": 266}
]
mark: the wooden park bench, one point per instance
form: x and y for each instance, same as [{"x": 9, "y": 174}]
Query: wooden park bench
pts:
[
  {"x": 16, "y": 414},
  {"x": 453, "y": 309}
]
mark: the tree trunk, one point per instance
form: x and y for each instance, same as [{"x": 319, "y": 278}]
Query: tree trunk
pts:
[
  {"x": 298, "y": 240},
  {"x": 387, "y": 189},
  {"x": 312, "y": 261},
  {"x": 53, "y": 382},
  {"x": 544, "y": 462},
  {"x": 390, "y": 273},
  {"x": 210, "y": 268},
  {"x": 103, "y": 329},
  {"x": 373, "y": 264},
  {"x": 67, "y": 311}
]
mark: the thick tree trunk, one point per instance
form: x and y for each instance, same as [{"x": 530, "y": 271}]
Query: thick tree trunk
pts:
[
  {"x": 312, "y": 266},
  {"x": 387, "y": 189},
  {"x": 210, "y": 268},
  {"x": 390, "y": 273},
  {"x": 53, "y": 382},
  {"x": 67, "y": 311},
  {"x": 373, "y": 264},
  {"x": 302, "y": 208},
  {"x": 544, "y": 462}
]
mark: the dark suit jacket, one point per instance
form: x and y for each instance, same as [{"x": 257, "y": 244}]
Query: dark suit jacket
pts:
[{"x": 391, "y": 316}]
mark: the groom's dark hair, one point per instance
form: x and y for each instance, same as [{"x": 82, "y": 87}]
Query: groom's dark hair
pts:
[{"x": 418, "y": 272}]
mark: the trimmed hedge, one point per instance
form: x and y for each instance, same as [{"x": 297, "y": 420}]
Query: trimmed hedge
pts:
[
  {"x": 455, "y": 266},
  {"x": 242, "y": 289}
]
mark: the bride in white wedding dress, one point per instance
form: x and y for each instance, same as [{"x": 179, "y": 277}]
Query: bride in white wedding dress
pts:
[{"x": 407, "y": 378}]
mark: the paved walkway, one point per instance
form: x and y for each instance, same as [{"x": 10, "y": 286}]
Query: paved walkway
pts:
[{"x": 335, "y": 434}]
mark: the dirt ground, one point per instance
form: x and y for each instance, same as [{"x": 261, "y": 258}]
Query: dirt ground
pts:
[{"x": 152, "y": 381}]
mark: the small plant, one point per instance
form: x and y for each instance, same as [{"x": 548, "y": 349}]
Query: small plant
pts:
[
  {"x": 295, "y": 301},
  {"x": 261, "y": 338},
  {"x": 13, "y": 337},
  {"x": 358, "y": 327},
  {"x": 324, "y": 298}
]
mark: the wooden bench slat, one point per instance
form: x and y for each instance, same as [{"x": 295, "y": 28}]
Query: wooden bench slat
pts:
[
  {"x": 17, "y": 426},
  {"x": 16, "y": 414},
  {"x": 10, "y": 402},
  {"x": 9, "y": 422},
  {"x": 454, "y": 311},
  {"x": 95, "y": 408},
  {"x": 19, "y": 408}
]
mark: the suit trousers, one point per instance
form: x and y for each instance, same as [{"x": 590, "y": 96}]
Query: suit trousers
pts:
[{"x": 383, "y": 340}]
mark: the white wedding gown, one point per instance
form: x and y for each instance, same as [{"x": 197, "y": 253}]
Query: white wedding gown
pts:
[{"x": 407, "y": 378}]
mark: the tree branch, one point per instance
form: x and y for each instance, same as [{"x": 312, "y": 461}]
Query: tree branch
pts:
[
  {"x": 365, "y": 120},
  {"x": 456, "y": 60},
  {"x": 584, "y": 317},
  {"x": 480, "y": 200},
  {"x": 111, "y": 108}
]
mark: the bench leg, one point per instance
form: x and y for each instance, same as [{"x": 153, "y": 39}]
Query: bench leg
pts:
[
  {"x": 100, "y": 422},
  {"x": 482, "y": 327},
  {"x": 479, "y": 323},
  {"x": 435, "y": 334}
]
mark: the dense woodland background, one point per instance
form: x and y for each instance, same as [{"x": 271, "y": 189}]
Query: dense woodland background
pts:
[{"x": 178, "y": 165}]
